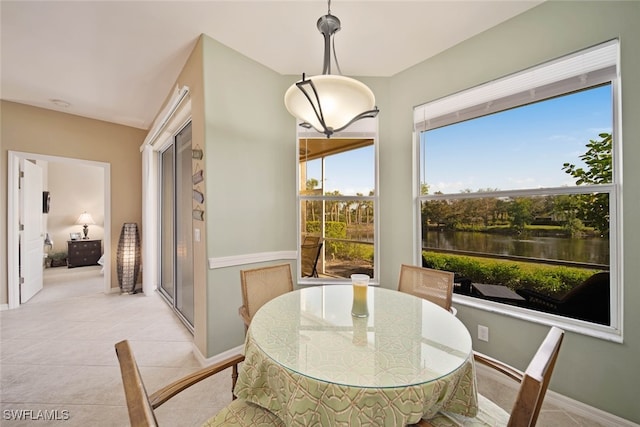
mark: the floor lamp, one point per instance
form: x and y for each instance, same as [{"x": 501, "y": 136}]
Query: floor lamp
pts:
[{"x": 128, "y": 257}]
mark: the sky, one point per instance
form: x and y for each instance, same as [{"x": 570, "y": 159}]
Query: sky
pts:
[
  {"x": 350, "y": 173},
  {"x": 520, "y": 148}
]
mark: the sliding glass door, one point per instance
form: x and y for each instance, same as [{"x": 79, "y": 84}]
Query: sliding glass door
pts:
[{"x": 176, "y": 244}]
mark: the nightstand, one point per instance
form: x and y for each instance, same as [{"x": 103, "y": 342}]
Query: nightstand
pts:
[{"x": 81, "y": 253}]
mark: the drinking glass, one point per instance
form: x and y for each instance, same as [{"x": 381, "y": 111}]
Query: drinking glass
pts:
[{"x": 360, "y": 283}]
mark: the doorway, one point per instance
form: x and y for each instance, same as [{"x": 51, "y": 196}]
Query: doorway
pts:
[
  {"x": 175, "y": 215},
  {"x": 14, "y": 217}
]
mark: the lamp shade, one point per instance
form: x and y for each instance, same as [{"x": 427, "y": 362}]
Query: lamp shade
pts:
[
  {"x": 340, "y": 98},
  {"x": 85, "y": 218}
]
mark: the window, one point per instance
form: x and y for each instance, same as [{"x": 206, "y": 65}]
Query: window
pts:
[
  {"x": 518, "y": 192},
  {"x": 337, "y": 206}
]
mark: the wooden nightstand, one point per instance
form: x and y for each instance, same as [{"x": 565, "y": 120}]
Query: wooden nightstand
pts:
[{"x": 83, "y": 252}]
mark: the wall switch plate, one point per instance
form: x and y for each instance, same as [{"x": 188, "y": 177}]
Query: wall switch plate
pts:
[{"x": 483, "y": 333}]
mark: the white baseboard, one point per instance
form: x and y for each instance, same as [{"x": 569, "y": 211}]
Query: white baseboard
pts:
[
  {"x": 206, "y": 361},
  {"x": 4, "y": 307},
  {"x": 564, "y": 402}
]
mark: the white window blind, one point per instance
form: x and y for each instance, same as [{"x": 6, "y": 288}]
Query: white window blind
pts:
[{"x": 583, "y": 69}]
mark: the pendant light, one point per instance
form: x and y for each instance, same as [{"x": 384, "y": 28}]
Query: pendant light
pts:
[{"x": 329, "y": 103}]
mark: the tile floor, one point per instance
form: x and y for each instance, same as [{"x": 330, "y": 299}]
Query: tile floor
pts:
[{"x": 57, "y": 355}]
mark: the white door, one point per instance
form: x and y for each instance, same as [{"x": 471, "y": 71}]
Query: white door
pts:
[{"x": 31, "y": 236}]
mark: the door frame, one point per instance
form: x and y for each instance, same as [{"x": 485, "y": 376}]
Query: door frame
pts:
[{"x": 13, "y": 218}]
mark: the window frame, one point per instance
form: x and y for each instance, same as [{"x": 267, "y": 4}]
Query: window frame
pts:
[
  {"x": 601, "y": 66},
  {"x": 362, "y": 129}
]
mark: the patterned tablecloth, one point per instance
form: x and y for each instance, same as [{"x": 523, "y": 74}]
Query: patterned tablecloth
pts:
[{"x": 312, "y": 364}]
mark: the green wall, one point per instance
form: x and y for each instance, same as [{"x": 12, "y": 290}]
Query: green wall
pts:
[
  {"x": 251, "y": 160},
  {"x": 597, "y": 372},
  {"x": 250, "y": 179}
]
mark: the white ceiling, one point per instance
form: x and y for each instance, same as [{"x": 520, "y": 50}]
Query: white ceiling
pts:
[{"x": 118, "y": 60}]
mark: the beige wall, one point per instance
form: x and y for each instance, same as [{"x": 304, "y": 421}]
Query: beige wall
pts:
[
  {"x": 74, "y": 188},
  {"x": 35, "y": 130}
]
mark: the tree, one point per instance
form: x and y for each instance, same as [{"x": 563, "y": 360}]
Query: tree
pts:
[
  {"x": 598, "y": 159},
  {"x": 520, "y": 213},
  {"x": 311, "y": 185},
  {"x": 594, "y": 208}
]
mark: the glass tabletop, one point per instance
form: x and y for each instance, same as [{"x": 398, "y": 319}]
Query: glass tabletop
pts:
[{"x": 404, "y": 341}]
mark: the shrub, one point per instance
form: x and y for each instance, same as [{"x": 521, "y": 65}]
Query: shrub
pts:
[{"x": 549, "y": 279}]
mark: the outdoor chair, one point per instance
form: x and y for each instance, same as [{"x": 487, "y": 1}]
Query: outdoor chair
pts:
[
  {"x": 310, "y": 253},
  {"x": 260, "y": 285},
  {"x": 588, "y": 301},
  {"x": 533, "y": 387},
  {"x": 433, "y": 285},
  {"x": 141, "y": 406}
]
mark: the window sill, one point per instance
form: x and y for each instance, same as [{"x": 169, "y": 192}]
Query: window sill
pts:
[{"x": 608, "y": 333}]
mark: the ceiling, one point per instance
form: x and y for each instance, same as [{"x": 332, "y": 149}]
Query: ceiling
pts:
[{"x": 118, "y": 60}]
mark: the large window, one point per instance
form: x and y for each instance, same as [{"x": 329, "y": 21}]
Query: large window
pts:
[
  {"x": 337, "y": 207},
  {"x": 518, "y": 192}
]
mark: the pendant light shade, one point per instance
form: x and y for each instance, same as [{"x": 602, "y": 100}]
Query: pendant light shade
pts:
[
  {"x": 329, "y": 103},
  {"x": 340, "y": 99}
]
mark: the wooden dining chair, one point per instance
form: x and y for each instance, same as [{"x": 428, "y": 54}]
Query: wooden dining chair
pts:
[
  {"x": 141, "y": 406},
  {"x": 260, "y": 285},
  {"x": 433, "y": 285},
  {"x": 533, "y": 387}
]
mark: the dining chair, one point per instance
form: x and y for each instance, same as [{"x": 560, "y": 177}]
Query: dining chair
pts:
[
  {"x": 260, "y": 285},
  {"x": 533, "y": 387},
  {"x": 433, "y": 285},
  {"x": 141, "y": 406}
]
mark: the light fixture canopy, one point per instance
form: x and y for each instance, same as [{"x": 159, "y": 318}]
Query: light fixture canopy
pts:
[{"x": 329, "y": 103}]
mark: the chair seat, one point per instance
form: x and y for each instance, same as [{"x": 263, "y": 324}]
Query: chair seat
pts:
[
  {"x": 243, "y": 414},
  {"x": 489, "y": 414}
]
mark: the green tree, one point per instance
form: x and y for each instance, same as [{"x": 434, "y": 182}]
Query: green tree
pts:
[
  {"x": 311, "y": 185},
  {"x": 520, "y": 213},
  {"x": 594, "y": 208}
]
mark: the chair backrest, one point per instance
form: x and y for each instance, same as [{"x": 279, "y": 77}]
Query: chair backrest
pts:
[
  {"x": 140, "y": 409},
  {"x": 260, "y": 285},
  {"x": 311, "y": 240},
  {"x": 536, "y": 381},
  {"x": 309, "y": 254},
  {"x": 433, "y": 285}
]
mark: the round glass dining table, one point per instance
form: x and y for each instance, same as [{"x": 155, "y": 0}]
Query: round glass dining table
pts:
[{"x": 311, "y": 362}]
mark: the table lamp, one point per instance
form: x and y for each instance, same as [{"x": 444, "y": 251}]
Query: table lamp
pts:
[{"x": 85, "y": 219}]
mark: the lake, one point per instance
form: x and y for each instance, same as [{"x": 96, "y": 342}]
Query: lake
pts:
[{"x": 586, "y": 250}]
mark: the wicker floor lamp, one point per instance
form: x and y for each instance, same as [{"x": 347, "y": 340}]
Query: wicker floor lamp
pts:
[{"x": 128, "y": 257}]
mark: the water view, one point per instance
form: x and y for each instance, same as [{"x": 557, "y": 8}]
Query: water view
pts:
[{"x": 583, "y": 250}]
